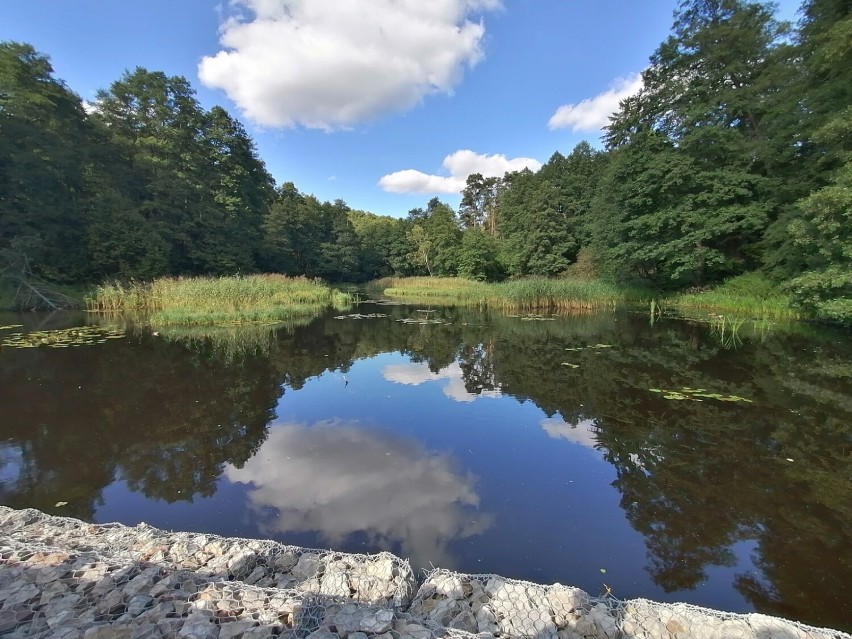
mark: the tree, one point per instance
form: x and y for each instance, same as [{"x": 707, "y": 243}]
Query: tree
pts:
[
  {"x": 534, "y": 234},
  {"x": 477, "y": 256},
  {"x": 435, "y": 237},
  {"x": 43, "y": 154},
  {"x": 480, "y": 203}
]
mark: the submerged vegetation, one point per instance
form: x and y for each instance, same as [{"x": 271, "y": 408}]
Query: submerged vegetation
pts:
[{"x": 218, "y": 300}]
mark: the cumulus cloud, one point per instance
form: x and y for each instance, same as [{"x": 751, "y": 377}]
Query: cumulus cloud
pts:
[
  {"x": 582, "y": 433},
  {"x": 338, "y": 479},
  {"x": 459, "y": 165},
  {"x": 415, "y": 374},
  {"x": 592, "y": 114},
  {"x": 330, "y": 64}
]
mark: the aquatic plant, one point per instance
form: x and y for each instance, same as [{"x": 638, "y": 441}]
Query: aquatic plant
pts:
[
  {"x": 218, "y": 300},
  {"x": 62, "y": 338},
  {"x": 697, "y": 395},
  {"x": 528, "y": 294}
]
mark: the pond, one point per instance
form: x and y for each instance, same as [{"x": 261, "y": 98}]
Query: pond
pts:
[{"x": 665, "y": 459}]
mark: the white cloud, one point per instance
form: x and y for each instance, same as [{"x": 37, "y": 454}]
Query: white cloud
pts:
[
  {"x": 330, "y": 64},
  {"x": 460, "y": 165},
  {"x": 338, "y": 479},
  {"x": 418, "y": 373},
  {"x": 592, "y": 114},
  {"x": 581, "y": 433}
]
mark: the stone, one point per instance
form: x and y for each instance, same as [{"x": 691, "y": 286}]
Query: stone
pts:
[
  {"x": 335, "y": 583},
  {"x": 465, "y": 621},
  {"x": 563, "y": 601},
  {"x": 235, "y": 629},
  {"x": 308, "y": 566},
  {"x": 449, "y": 586},
  {"x": 323, "y": 633},
  {"x": 486, "y": 620},
  {"x": 67, "y": 633},
  {"x": 170, "y": 627},
  {"x": 112, "y": 603},
  {"x": 137, "y": 605},
  {"x": 357, "y": 635},
  {"x": 198, "y": 629},
  {"x": 285, "y": 561},
  {"x": 256, "y": 575},
  {"x": 108, "y": 632},
  {"x": 147, "y": 631},
  {"x": 260, "y": 632},
  {"x": 414, "y": 631},
  {"x": 378, "y": 622}
]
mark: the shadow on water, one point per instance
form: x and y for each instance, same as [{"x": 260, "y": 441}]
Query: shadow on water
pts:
[{"x": 368, "y": 433}]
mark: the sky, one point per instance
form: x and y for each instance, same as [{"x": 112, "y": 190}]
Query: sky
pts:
[{"x": 383, "y": 103}]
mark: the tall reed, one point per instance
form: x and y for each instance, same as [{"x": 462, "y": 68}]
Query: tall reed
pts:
[
  {"x": 535, "y": 293},
  {"x": 218, "y": 300}
]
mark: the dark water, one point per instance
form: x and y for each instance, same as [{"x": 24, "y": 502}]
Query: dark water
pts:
[{"x": 468, "y": 446}]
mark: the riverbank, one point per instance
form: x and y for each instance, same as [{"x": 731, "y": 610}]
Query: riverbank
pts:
[
  {"x": 64, "y": 578},
  {"x": 746, "y": 296}
]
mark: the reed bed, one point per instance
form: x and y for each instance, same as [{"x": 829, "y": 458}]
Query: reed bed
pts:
[
  {"x": 523, "y": 295},
  {"x": 187, "y": 301},
  {"x": 777, "y": 307}
]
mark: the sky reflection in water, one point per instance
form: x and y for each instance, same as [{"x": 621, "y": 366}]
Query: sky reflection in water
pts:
[{"x": 466, "y": 445}]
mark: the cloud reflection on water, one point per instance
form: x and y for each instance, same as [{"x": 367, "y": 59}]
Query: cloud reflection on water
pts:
[
  {"x": 583, "y": 432},
  {"x": 415, "y": 374},
  {"x": 338, "y": 479}
]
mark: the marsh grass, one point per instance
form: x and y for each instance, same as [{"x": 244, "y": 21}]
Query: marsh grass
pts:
[
  {"x": 518, "y": 295},
  {"x": 747, "y": 296},
  {"x": 188, "y": 301}
]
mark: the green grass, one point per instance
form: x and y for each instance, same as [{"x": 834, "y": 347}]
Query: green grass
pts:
[
  {"x": 208, "y": 301},
  {"x": 524, "y": 294},
  {"x": 748, "y": 296}
]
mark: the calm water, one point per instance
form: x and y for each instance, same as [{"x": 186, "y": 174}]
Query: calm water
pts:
[{"x": 467, "y": 445}]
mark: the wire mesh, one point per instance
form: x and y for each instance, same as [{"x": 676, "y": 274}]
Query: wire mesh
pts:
[{"x": 60, "y": 577}]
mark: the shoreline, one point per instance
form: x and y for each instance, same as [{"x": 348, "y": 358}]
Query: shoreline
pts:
[{"x": 61, "y": 577}]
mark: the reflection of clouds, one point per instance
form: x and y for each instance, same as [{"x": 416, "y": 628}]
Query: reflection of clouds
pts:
[
  {"x": 339, "y": 479},
  {"x": 418, "y": 373},
  {"x": 583, "y": 432}
]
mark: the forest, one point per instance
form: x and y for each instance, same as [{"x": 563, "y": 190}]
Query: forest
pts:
[{"x": 735, "y": 158}]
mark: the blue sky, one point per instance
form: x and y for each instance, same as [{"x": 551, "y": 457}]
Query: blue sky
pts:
[{"x": 384, "y": 103}]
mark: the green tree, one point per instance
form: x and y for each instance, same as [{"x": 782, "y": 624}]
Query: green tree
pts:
[
  {"x": 477, "y": 256},
  {"x": 533, "y": 229},
  {"x": 43, "y": 154}
]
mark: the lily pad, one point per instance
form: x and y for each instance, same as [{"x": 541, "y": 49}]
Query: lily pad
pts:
[
  {"x": 697, "y": 395},
  {"x": 62, "y": 338}
]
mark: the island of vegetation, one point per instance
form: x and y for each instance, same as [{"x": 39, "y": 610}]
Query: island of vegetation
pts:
[{"x": 725, "y": 183}]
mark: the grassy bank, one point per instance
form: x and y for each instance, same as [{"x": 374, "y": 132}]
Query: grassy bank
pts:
[
  {"x": 188, "y": 301},
  {"x": 746, "y": 296},
  {"x": 525, "y": 294}
]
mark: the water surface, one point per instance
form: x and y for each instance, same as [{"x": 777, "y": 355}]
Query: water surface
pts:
[{"x": 477, "y": 442}]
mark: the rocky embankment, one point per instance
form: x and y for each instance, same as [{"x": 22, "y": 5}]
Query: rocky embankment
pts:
[{"x": 68, "y": 579}]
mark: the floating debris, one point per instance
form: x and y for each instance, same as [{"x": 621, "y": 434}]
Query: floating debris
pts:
[
  {"x": 10, "y": 327},
  {"x": 418, "y": 320},
  {"x": 593, "y": 346},
  {"x": 531, "y": 317},
  {"x": 359, "y": 316},
  {"x": 63, "y": 338},
  {"x": 697, "y": 395},
  {"x": 570, "y": 365}
]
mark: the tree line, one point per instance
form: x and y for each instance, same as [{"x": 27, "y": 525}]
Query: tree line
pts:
[{"x": 734, "y": 157}]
